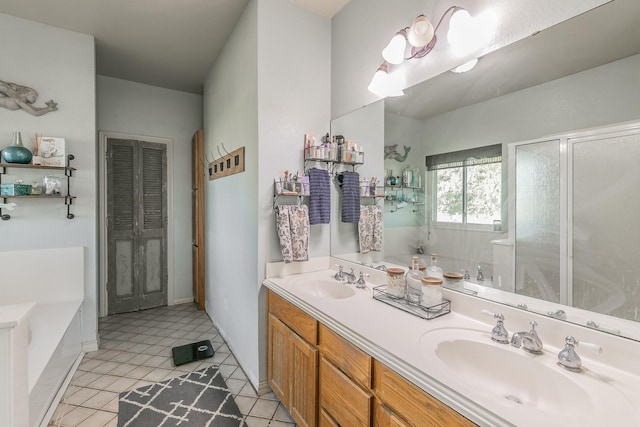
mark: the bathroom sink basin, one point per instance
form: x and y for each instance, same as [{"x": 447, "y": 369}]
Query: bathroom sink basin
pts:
[
  {"x": 511, "y": 375},
  {"x": 324, "y": 288}
]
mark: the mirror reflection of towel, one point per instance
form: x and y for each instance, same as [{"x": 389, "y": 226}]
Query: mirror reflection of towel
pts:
[
  {"x": 370, "y": 228},
  {"x": 292, "y": 222},
  {"x": 350, "y": 197}
]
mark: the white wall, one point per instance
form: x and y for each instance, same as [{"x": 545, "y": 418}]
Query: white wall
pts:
[
  {"x": 139, "y": 109},
  {"x": 60, "y": 65},
  {"x": 364, "y": 27},
  {"x": 265, "y": 91}
]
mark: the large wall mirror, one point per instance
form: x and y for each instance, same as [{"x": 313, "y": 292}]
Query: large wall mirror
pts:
[{"x": 547, "y": 221}]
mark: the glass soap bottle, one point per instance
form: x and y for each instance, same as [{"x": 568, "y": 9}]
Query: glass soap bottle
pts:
[
  {"x": 434, "y": 270},
  {"x": 414, "y": 282},
  {"x": 395, "y": 282}
]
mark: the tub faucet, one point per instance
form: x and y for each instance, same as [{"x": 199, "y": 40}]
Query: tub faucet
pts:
[
  {"x": 529, "y": 341},
  {"x": 480, "y": 277}
]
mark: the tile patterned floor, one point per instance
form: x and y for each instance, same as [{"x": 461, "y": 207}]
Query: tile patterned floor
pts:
[{"x": 135, "y": 350}]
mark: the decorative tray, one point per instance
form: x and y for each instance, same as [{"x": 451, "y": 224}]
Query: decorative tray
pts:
[{"x": 380, "y": 293}]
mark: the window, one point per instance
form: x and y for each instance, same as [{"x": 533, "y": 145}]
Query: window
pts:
[{"x": 466, "y": 186}]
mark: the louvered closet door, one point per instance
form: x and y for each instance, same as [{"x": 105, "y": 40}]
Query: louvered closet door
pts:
[{"x": 136, "y": 225}]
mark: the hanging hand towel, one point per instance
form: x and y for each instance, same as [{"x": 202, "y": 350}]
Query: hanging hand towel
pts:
[
  {"x": 319, "y": 197},
  {"x": 370, "y": 228},
  {"x": 350, "y": 197},
  {"x": 293, "y": 230}
]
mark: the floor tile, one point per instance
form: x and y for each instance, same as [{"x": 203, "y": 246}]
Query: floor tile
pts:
[
  {"x": 245, "y": 404},
  {"x": 264, "y": 409},
  {"x": 80, "y": 396},
  {"x": 100, "y": 399},
  {"x": 98, "y": 419},
  {"x": 256, "y": 422}
]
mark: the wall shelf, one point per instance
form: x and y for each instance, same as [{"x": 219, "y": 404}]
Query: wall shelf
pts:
[{"x": 68, "y": 173}]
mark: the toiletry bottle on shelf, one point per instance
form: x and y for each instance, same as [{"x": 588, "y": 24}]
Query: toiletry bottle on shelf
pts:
[
  {"x": 414, "y": 282},
  {"x": 434, "y": 270}
]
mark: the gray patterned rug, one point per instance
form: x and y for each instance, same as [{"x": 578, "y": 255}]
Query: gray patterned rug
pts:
[{"x": 197, "y": 399}]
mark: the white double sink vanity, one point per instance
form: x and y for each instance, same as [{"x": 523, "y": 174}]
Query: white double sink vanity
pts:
[{"x": 453, "y": 358}]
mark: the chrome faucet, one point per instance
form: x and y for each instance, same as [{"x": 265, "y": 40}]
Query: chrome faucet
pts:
[
  {"x": 480, "y": 277},
  {"x": 529, "y": 341},
  {"x": 569, "y": 359},
  {"x": 466, "y": 275},
  {"x": 341, "y": 276}
]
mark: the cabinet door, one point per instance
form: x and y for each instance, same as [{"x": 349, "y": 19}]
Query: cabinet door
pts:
[
  {"x": 341, "y": 398},
  {"x": 277, "y": 351},
  {"x": 303, "y": 375}
]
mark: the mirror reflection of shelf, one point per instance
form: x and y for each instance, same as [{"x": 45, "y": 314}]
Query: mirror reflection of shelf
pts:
[{"x": 321, "y": 154}]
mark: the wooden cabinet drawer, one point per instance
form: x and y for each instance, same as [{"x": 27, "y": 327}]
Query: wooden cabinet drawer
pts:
[
  {"x": 325, "y": 420},
  {"x": 384, "y": 417},
  {"x": 347, "y": 357},
  {"x": 415, "y": 405},
  {"x": 345, "y": 402},
  {"x": 296, "y": 319}
]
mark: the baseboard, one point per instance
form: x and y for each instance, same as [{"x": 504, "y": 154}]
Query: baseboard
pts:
[
  {"x": 89, "y": 346},
  {"x": 263, "y": 388},
  {"x": 182, "y": 300},
  {"x": 61, "y": 391}
]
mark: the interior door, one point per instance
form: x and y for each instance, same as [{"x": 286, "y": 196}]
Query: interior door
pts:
[
  {"x": 136, "y": 225},
  {"x": 197, "y": 209}
]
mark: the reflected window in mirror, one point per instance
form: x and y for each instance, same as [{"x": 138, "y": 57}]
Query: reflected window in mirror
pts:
[{"x": 466, "y": 187}]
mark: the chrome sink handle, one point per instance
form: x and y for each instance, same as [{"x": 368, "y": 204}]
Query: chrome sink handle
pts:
[
  {"x": 529, "y": 341},
  {"x": 361, "y": 284},
  {"x": 339, "y": 276},
  {"x": 569, "y": 359},
  {"x": 499, "y": 333}
]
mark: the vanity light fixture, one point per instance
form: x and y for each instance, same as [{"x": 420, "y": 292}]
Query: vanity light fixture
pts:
[{"x": 422, "y": 37}]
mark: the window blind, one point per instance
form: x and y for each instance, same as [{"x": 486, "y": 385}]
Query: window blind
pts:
[{"x": 469, "y": 157}]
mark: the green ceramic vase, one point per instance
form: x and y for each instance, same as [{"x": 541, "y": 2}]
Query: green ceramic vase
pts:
[{"x": 16, "y": 152}]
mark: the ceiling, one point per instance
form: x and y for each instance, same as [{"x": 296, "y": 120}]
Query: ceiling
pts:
[
  {"x": 166, "y": 43},
  {"x": 602, "y": 35}
]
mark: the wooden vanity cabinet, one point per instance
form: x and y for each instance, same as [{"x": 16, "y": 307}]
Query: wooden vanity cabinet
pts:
[{"x": 292, "y": 359}]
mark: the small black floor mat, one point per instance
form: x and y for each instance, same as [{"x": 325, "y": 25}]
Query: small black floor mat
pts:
[{"x": 191, "y": 352}]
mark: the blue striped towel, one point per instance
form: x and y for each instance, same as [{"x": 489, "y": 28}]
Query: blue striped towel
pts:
[
  {"x": 319, "y": 197},
  {"x": 350, "y": 197}
]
